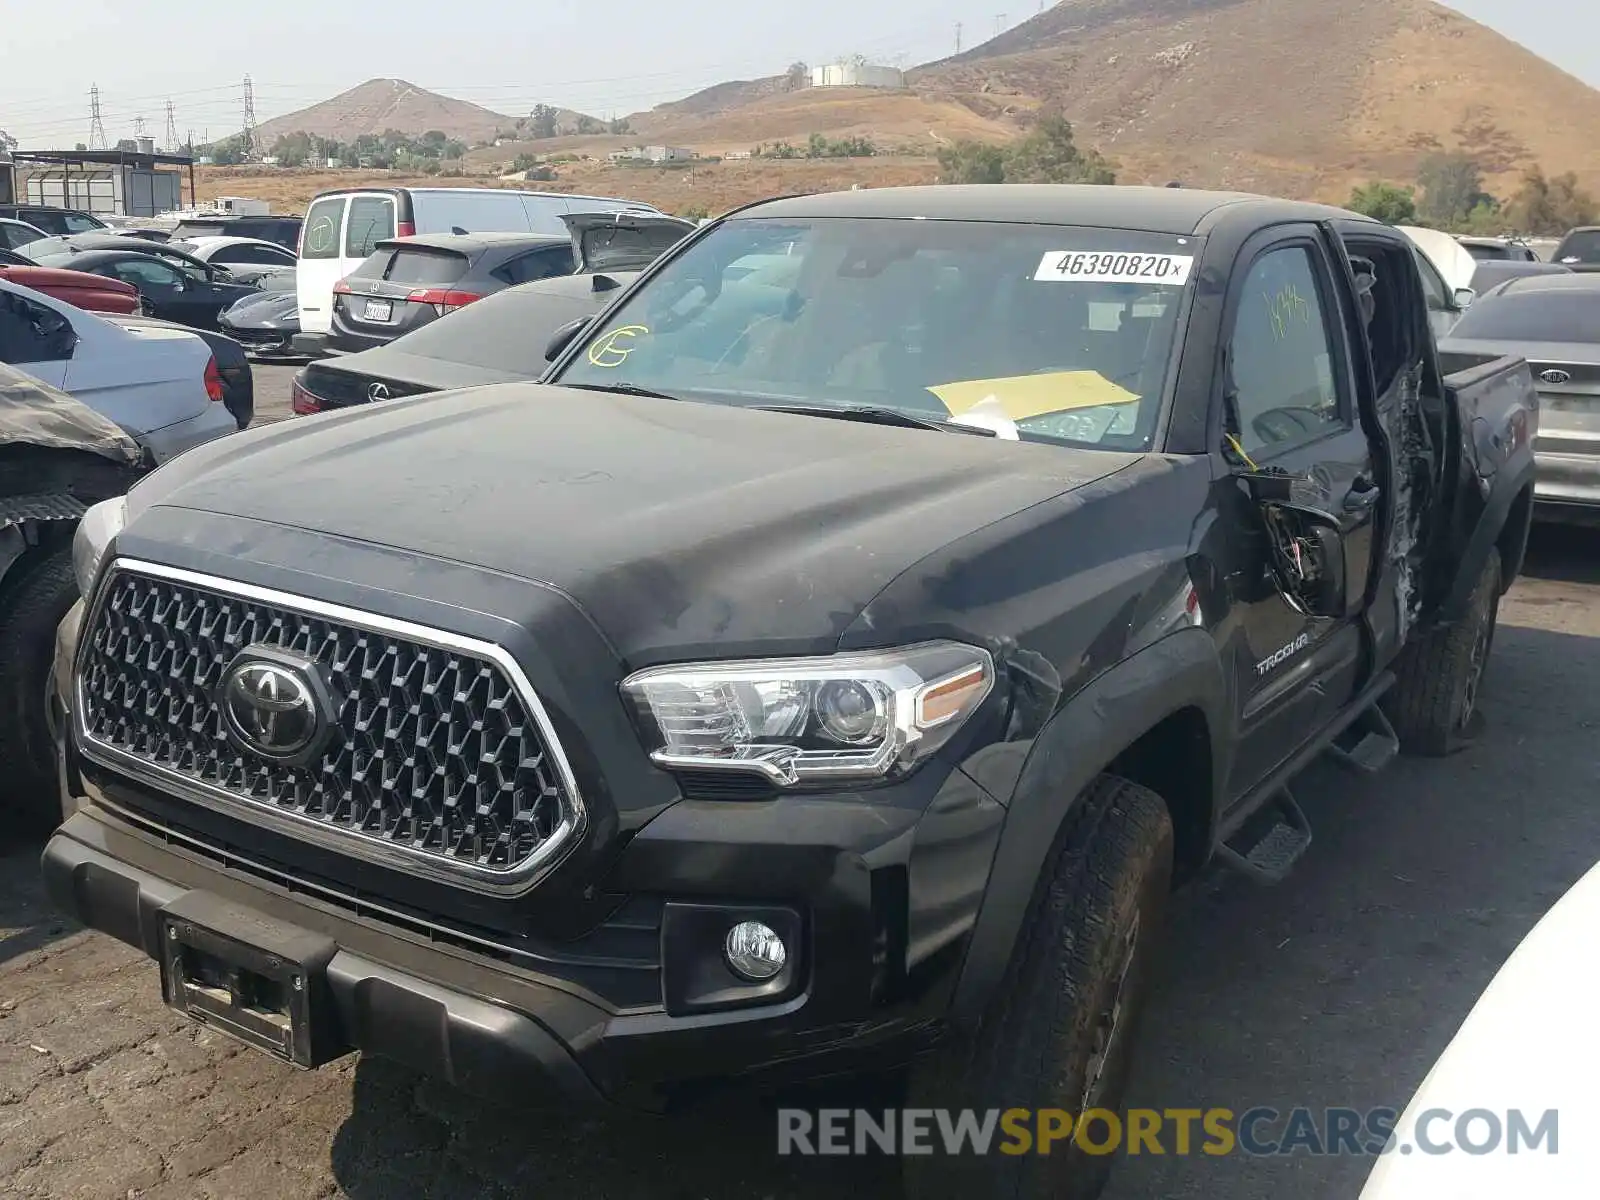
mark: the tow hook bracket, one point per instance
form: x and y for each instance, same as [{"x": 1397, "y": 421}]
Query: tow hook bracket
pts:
[{"x": 1267, "y": 846}]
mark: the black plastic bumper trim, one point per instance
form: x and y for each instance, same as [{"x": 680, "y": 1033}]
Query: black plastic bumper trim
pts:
[{"x": 470, "y": 1043}]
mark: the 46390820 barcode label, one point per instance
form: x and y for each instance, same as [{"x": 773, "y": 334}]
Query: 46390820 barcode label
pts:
[{"x": 1114, "y": 266}]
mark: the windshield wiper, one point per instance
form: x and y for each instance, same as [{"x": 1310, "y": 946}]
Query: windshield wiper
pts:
[
  {"x": 876, "y": 415},
  {"x": 624, "y": 388}
]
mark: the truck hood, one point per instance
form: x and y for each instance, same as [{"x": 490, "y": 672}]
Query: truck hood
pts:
[{"x": 676, "y": 526}]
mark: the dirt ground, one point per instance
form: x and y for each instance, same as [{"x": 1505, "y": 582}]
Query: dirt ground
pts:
[{"x": 710, "y": 187}]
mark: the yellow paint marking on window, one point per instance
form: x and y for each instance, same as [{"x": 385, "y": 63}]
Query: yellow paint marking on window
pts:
[{"x": 1024, "y": 396}]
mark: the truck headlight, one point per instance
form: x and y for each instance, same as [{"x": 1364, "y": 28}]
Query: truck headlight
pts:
[
  {"x": 99, "y": 525},
  {"x": 854, "y": 716}
]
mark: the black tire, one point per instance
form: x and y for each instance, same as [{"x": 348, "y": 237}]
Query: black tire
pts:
[
  {"x": 37, "y": 592},
  {"x": 1083, "y": 959},
  {"x": 1433, "y": 705}
]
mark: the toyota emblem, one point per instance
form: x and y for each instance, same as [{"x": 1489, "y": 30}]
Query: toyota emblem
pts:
[
  {"x": 378, "y": 391},
  {"x": 1554, "y": 375},
  {"x": 275, "y": 705}
]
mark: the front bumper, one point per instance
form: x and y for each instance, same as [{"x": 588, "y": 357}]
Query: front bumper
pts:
[
  {"x": 309, "y": 345},
  {"x": 884, "y": 901}
]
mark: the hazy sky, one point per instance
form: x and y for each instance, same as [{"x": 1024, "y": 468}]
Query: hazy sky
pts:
[{"x": 620, "y": 57}]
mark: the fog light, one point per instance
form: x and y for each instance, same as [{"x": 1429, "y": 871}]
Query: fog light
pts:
[{"x": 754, "y": 951}]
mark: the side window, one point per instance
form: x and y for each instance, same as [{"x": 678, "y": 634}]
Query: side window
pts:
[
  {"x": 1432, "y": 284},
  {"x": 1283, "y": 355},
  {"x": 52, "y": 223},
  {"x": 146, "y": 274},
  {"x": 371, "y": 220},
  {"x": 324, "y": 226},
  {"x": 192, "y": 270},
  {"x": 541, "y": 264},
  {"x": 252, "y": 256},
  {"x": 31, "y": 333}
]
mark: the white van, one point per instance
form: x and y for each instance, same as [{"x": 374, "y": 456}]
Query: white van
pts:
[{"x": 341, "y": 228}]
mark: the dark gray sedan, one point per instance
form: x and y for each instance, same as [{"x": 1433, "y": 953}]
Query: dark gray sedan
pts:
[
  {"x": 1554, "y": 322},
  {"x": 502, "y": 338}
]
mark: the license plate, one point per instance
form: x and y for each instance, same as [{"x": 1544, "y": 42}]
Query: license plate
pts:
[
  {"x": 379, "y": 310},
  {"x": 253, "y": 979}
]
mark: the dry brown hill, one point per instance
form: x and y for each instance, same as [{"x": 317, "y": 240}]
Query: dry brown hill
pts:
[
  {"x": 379, "y": 105},
  {"x": 1304, "y": 97}
]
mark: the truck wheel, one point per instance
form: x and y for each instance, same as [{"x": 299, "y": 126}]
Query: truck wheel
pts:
[
  {"x": 1439, "y": 676},
  {"x": 36, "y": 596},
  {"x": 1060, "y": 1029}
]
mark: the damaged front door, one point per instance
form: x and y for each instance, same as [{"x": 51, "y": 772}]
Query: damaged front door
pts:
[{"x": 1290, "y": 413}]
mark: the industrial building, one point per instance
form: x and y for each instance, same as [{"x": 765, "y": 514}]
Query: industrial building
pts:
[
  {"x": 857, "y": 73},
  {"x": 128, "y": 182},
  {"x": 655, "y": 154}
]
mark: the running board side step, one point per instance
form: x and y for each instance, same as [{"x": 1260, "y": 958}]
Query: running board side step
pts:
[
  {"x": 1268, "y": 845},
  {"x": 1368, "y": 744}
]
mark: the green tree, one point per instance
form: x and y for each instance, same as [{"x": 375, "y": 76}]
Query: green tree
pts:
[
  {"x": 1049, "y": 154},
  {"x": 620, "y": 126},
  {"x": 587, "y": 126},
  {"x": 542, "y": 122},
  {"x": 1550, "y": 206},
  {"x": 1452, "y": 186},
  {"x": 1386, "y": 202},
  {"x": 972, "y": 162}
]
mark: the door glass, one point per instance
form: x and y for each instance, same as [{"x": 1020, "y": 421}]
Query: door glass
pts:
[
  {"x": 323, "y": 225},
  {"x": 31, "y": 333},
  {"x": 147, "y": 274},
  {"x": 371, "y": 220},
  {"x": 1282, "y": 356},
  {"x": 1433, "y": 285}
]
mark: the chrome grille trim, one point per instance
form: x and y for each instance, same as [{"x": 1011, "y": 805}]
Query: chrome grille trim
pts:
[{"x": 515, "y": 879}]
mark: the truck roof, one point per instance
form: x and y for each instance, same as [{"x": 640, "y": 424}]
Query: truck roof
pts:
[{"x": 1158, "y": 210}]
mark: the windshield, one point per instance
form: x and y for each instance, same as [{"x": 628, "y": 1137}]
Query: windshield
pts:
[
  {"x": 1579, "y": 246},
  {"x": 1042, "y": 332},
  {"x": 1557, "y": 315}
]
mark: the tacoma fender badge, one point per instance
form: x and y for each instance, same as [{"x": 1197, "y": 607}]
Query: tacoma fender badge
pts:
[{"x": 1279, "y": 657}]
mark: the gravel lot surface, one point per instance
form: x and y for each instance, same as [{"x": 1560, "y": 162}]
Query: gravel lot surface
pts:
[{"x": 1337, "y": 988}]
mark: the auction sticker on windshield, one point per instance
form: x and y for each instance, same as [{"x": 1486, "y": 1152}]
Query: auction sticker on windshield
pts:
[{"x": 1109, "y": 266}]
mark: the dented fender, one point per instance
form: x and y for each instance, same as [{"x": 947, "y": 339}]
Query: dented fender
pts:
[{"x": 1085, "y": 734}]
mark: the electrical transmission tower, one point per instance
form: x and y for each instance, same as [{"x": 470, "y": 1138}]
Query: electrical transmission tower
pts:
[
  {"x": 999, "y": 24},
  {"x": 248, "y": 134},
  {"x": 172, "y": 128},
  {"x": 138, "y": 127},
  {"x": 958, "y": 37},
  {"x": 97, "y": 127}
]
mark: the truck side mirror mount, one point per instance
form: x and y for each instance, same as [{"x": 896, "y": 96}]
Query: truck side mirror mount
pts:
[{"x": 1307, "y": 548}]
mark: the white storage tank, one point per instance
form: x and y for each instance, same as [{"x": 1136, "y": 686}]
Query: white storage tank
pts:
[{"x": 857, "y": 74}]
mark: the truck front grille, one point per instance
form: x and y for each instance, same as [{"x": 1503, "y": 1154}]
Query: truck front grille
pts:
[{"x": 441, "y": 757}]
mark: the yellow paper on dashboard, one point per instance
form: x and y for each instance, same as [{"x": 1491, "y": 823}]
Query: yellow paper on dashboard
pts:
[{"x": 1024, "y": 396}]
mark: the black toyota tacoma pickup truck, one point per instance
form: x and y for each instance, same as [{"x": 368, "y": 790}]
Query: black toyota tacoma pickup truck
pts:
[{"x": 831, "y": 667}]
